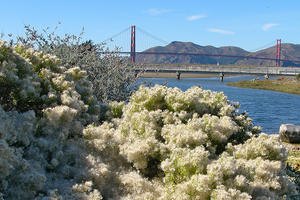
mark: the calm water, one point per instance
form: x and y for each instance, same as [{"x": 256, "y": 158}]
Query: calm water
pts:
[{"x": 267, "y": 109}]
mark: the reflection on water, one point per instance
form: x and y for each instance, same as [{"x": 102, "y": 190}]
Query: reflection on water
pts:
[{"x": 268, "y": 109}]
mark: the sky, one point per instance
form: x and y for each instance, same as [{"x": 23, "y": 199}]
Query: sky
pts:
[{"x": 249, "y": 24}]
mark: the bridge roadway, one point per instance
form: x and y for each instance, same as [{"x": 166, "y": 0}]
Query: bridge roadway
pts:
[{"x": 225, "y": 69}]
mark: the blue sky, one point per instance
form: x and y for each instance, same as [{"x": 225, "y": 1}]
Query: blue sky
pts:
[{"x": 249, "y": 24}]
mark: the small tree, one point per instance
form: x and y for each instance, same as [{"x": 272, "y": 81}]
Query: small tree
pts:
[{"x": 112, "y": 76}]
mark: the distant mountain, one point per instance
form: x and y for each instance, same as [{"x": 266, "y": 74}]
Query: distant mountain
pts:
[{"x": 288, "y": 52}]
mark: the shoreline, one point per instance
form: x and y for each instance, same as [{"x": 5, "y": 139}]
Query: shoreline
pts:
[{"x": 282, "y": 84}]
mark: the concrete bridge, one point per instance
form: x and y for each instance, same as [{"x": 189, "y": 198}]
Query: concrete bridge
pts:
[{"x": 221, "y": 70}]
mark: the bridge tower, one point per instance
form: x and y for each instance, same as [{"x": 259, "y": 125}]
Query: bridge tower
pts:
[
  {"x": 132, "y": 45},
  {"x": 278, "y": 52}
]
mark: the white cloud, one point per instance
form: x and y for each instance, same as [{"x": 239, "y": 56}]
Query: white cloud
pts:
[
  {"x": 224, "y": 32},
  {"x": 157, "y": 11},
  {"x": 266, "y": 27},
  {"x": 195, "y": 17}
]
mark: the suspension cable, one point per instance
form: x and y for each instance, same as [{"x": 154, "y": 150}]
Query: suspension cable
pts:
[
  {"x": 116, "y": 35},
  {"x": 152, "y": 36}
]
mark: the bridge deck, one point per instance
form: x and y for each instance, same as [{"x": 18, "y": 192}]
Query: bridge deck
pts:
[{"x": 255, "y": 70}]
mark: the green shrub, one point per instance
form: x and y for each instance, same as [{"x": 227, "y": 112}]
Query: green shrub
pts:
[{"x": 298, "y": 77}]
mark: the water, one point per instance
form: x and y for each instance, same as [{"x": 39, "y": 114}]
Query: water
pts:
[{"x": 268, "y": 109}]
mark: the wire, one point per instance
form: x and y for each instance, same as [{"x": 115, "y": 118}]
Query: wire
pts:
[
  {"x": 116, "y": 35},
  {"x": 152, "y": 36},
  {"x": 270, "y": 44}
]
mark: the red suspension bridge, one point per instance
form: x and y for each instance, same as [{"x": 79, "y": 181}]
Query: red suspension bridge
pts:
[{"x": 276, "y": 59}]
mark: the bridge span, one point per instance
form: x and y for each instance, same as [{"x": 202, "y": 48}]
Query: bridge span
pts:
[{"x": 224, "y": 69}]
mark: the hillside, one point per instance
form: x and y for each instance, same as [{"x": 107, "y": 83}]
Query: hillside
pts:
[{"x": 288, "y": 52}]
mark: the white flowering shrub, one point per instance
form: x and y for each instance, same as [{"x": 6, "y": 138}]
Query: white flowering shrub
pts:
[
  {"x": 43, "y": 110},
  {"x": 192, "y": 145},
  {"x": 163, "y": 144}
]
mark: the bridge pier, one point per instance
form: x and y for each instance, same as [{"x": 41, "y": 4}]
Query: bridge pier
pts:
[
  {"x": 221, "y": 76},
  {"x": 178, "y": 75}
]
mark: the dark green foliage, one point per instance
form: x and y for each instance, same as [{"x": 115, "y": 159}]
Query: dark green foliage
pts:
[{"x": 298, "y": 77}]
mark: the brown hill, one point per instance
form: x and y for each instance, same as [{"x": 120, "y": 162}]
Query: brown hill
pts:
[{"x": 288, "y": 52}]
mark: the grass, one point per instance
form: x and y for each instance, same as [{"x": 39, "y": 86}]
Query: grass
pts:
[{"x": 286, "y": 85}]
